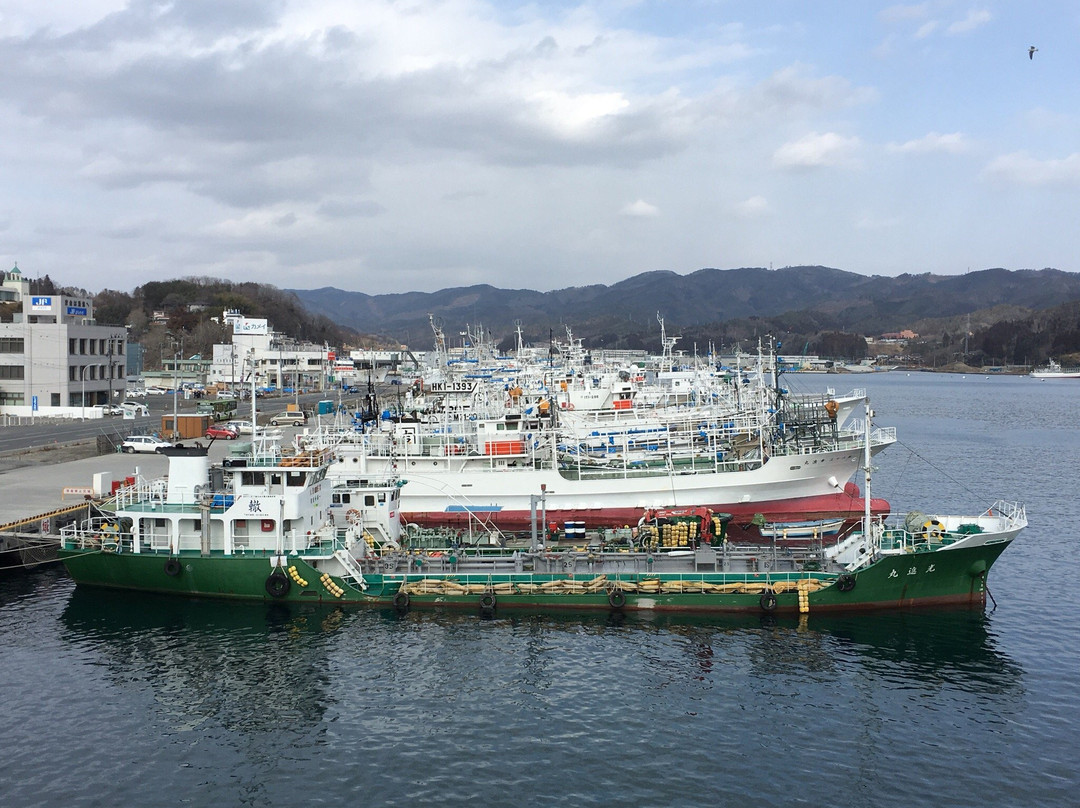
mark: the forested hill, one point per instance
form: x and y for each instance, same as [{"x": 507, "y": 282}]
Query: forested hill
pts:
[{"x": 807, "y": 300}]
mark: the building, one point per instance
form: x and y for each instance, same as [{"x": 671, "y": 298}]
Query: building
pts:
[
  {"x": 269, "y": 359},
  {"x": 55, "y": 360}
]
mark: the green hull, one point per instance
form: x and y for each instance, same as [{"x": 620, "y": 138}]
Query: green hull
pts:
[{"x": 952, "y": 577}]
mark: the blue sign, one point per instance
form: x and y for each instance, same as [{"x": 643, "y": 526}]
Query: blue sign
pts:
[
  {"x": 33, "y": 403},
  {"x": 77, "y": 310},
  {"x": 40, "y": 303}
]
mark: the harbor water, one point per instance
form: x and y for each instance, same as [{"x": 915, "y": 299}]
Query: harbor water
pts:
[{"x": 123, "y": 699}]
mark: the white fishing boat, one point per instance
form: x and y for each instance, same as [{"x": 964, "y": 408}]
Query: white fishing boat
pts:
[
  {"x": 1053, "y": 370},
  {"x": 789, "y": 465}
]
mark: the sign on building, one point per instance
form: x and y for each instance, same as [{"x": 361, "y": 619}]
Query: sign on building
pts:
[{"x": 245, "y": 325}]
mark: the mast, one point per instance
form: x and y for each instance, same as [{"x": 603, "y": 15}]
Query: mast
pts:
[{"x": 866, "y": 464}]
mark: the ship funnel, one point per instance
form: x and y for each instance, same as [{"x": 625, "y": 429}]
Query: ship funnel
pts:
[{"x": 189, "y": 473}]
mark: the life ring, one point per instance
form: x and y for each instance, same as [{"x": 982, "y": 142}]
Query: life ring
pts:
[
  {"x": 277, "y": 585},
  {"x": 932, "y": 529},
  {"x": 487, "y": 602},
  {"x": 172, "y": 567},
  {"x": 616, "y": 599},
  {"x": 768, "y": 602},
  {"x": 352, "y": 516},
  {"x": 845, "y": 583},
  {"x": 401, "y": 600}
]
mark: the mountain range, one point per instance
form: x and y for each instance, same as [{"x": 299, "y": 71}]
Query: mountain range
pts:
[{"x": 826, "y": 297}]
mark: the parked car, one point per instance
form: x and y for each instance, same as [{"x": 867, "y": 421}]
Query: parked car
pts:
[
  {"x": 220, "y": 432},
  {"x": 240, "y": 427},
  {"x": 226, "y": 394},
  {"x": 290, "y": 418},
  {"x": 157, "y": 391},
  {"x": 112, "y": 409},
  {"x": 144, "y": 443}
]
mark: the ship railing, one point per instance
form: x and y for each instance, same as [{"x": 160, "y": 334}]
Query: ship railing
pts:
[
  {"x": 142, "y": 492},
  {"x": 97, "y": 534},
  {"x": 1015, "y": 513}
]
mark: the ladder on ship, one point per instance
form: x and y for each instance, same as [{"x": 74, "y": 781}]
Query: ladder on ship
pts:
[{"x": 352, "y": 568}]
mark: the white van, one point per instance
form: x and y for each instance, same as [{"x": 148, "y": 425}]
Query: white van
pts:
[{"x": 289, "y": 418}]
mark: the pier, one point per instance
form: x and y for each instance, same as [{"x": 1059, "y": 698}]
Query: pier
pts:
[{"x": 47, "y": 488}]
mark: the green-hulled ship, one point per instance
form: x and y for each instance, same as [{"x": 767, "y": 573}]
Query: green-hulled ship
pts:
[{"x": 260, "y": 527}]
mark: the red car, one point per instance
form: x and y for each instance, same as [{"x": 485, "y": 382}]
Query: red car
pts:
[{"x": 220, "y": 432}]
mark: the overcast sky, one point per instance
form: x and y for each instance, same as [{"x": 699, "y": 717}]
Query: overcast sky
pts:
[{"x": 386, "y": 146}]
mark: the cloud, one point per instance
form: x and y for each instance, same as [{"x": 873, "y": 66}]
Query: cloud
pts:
[
  {"x": 870, "y": 221},
  {"x": 753, "y": 207},
  {"x": 349, "y": 208},
  {"x": 926, "y": 29},
  {"x": 640, "y": 209},
  {"x": 974, "y": 19},
  {"x": 1020, "y": 168},
  {"x": 904, "y": 13},
  {"x": 828, "y": 150},
  {"x": 953, "y": 143},
  {"x": 792, "y": 88}
]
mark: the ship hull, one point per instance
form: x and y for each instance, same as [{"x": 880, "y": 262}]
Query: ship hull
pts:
[
  {"x": 455, "y": 492},
  {"x": 945, "y": 578}
]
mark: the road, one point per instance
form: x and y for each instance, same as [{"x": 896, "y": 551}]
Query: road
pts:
[{"x": 34, "y": 435}]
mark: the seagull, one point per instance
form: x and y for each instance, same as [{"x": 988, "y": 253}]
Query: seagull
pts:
[{"x": 1031, "y": 52}]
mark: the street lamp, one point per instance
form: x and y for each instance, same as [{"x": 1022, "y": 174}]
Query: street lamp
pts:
[
  {"x": 176, "y": 381},
  {"x": 82, "y": 395}
]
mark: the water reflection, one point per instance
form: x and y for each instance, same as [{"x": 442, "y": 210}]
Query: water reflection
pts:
[{"x": 245, "y": 667}]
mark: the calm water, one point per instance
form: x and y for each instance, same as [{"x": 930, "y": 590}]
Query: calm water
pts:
[{"x": 115, "y": 699}]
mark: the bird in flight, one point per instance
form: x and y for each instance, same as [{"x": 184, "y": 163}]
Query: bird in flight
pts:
[{"x": 1031, "y": 52}]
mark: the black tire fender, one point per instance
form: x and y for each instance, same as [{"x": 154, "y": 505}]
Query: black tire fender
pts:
[
  {"x": 277, "y": 585},
  {"x": 845, "y": 583}
]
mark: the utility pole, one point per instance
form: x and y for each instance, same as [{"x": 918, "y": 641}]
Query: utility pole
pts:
[{"x": 176, "y": 384}]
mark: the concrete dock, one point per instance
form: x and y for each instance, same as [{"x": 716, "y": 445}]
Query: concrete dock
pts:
[{"x": 52, "y": 481}]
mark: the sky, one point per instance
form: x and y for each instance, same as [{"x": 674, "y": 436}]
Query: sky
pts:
[{"x": 387, "y": 146}]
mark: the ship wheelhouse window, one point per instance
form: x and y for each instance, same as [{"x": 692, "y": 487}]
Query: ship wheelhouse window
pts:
[
  {"x": 369, "y": 500},
  {"x": 295, "y": 479},
  {"x": 252, "y": 478},
  {"x": 342, "y": 499}
]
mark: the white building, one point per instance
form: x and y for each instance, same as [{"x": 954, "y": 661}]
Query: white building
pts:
[
  {"x": 55, "y": 359},
  {"x": 277, "y": 361}
]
